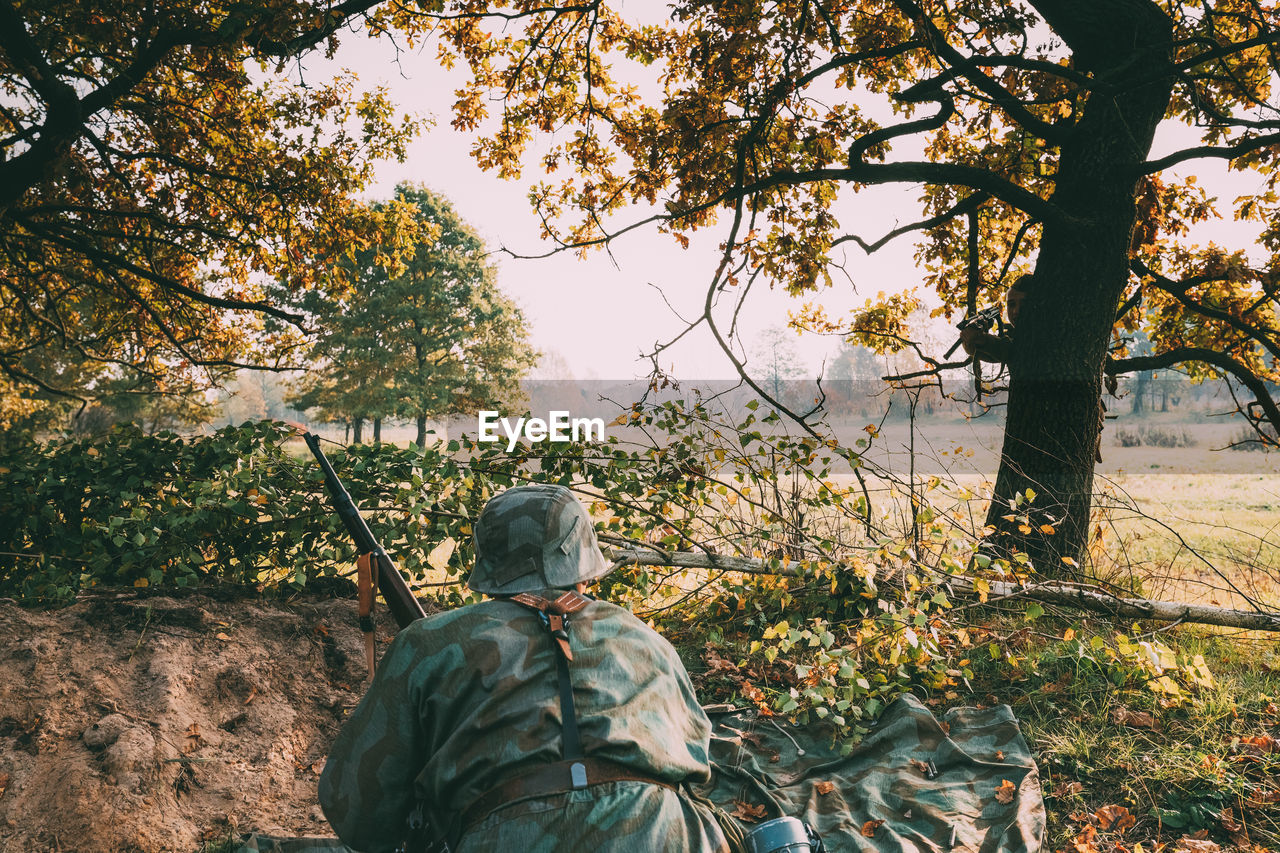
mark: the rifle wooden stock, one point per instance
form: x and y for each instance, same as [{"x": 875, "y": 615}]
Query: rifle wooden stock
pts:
[{"x": 400, "y": 600}]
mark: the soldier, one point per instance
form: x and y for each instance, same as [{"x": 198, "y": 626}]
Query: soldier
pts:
[
  {"x": 537, "y": 720},
  {"x": 995, "y": 348}
]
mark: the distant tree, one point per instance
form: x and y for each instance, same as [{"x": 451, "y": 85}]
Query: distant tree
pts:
[
  {"x": 427, "y": 335},
  {"x": 854, "y": 361},
  {"x": 775, "y": 362}
]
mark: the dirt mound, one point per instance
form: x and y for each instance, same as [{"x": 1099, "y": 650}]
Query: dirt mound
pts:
[{"x": 156, "y": 724}]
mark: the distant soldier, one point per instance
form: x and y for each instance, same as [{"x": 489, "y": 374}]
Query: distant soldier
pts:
[
  {"x": 982, "y": 344},
  {"x": 538, "y": 720},
  {"x": 995, "y": 348}
]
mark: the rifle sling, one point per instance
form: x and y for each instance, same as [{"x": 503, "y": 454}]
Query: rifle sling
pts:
[{"x": 365, "y": 596}]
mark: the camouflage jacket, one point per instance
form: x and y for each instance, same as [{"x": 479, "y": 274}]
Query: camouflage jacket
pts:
[{"x": 464, "y": 699}]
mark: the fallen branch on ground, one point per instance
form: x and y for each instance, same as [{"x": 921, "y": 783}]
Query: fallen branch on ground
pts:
[{"x": 1080, "y": 596}]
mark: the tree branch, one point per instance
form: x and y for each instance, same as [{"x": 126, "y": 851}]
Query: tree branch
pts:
[
  {"x": 1219, "y": 360},
  {"x": 1227, "y": 152},
  {"x": 1081, "y": 596}
]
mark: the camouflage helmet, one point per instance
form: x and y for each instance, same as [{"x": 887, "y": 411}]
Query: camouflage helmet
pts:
[{"x": 535, "y": 537}]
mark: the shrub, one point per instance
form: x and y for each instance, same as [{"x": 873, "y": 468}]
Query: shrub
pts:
[
  {"x": 1155, "y": 436},
  {"x": 1247, "y": 438}
]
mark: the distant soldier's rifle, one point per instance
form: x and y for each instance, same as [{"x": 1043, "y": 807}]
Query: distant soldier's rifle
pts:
[
  {"x": 373, "y": 559},
  {"x": 984, "y": 320}
]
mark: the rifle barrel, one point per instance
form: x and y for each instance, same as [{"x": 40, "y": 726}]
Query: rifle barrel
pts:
[{"x": 400, "y": 599}]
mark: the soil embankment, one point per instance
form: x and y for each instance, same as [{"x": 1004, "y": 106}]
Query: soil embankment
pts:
[{"x": 158, "y": 723}]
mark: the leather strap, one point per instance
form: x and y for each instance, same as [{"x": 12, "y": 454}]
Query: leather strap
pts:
[
  {"x": 365, "y": 597},
  {"x": 548, "y": 779},
  {"x": 554, "y": 613}
]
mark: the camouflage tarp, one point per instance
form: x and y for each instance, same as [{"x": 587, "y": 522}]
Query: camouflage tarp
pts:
[{"x": 934, "y": 785}]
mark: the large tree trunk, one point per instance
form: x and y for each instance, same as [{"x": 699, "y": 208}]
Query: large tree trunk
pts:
[
  {"x": 377, "y": 430},
  {"x": 1064, "y": 327},
  {"x": 357, "y": 430}
]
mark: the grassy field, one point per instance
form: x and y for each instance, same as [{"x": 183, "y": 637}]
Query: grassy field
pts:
[{"x": 1198, "y": 523}]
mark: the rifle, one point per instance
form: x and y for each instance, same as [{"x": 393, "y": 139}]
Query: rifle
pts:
[
  {"x": 400, "y": 600},
  {"x": 984, "y": 320},
  {"x": 404, "y": 607}
]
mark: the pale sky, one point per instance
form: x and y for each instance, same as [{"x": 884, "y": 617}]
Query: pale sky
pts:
[{"x": 600, "y": 312}]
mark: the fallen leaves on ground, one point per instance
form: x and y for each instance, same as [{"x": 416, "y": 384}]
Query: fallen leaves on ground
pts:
[
  {"x": 1005, "y": 792},
  {"x": 825, "y": 788},
  {"x": 922, "y": 766},
  {"x": 193, "y": 740},
  {"x": 4, "y": 783},
  {"x": 1122, "y": 716},
  {"x": 747, "y": 812},
  {"x": 869, "y": 828},
  {"x": 1188, "y": 844}
]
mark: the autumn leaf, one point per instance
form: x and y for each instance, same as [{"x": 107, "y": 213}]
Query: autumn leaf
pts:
[
  {"x": 1187, "y": 844},
  {"x": 747, "y": 812},
  {"x": 825, "y": 788},
  {"x": 1263, "y": 797},
  {"x": 1006, "y": 791},
  {"x": 4, "y": 783},
  {"x": 193, "y": 739},
  {"x": 1117, "y": 817},
  {"x": 1083, "y": 843},
  {"x": 1133, "y": 719},
  {"x": 922, "y": 766},
  {"x": 1069, "y": 789},
  {"x": 869, "y": 828},
  {"x": 999, "y": 755},
  {"x": 1263, "y": 744}
]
